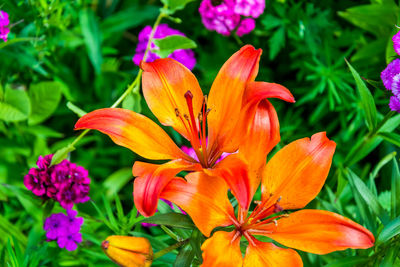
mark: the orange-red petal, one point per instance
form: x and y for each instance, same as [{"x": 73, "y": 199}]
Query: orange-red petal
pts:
[
  {"x": 257, "y": 91},
  {"x": 220, "y": 251},
  {"x": 297, "y": 172},
  {"x": 235, "y": 172},
  {"x": 225, "y": 98},
  {"x": 134, "y": 131},
  {"x": 320, "y": 232},
  {"x": 151, "y": 180},
  {"x": 268, "y": 255},
  {"x": 165, "y": 82},
  {"x": 204, "y": 198}
]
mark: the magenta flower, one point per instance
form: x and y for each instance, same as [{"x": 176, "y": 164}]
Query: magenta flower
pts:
[
  {"x": 64, "y": 229},
  {"x": 4, "y": 22},
  {"x": 394, "y": 103},
  {"x": 65, "y": 182},
  {"x": 184, "y": 56},
  {"x": 389, "y": 73},
  {"x": 396, "y": 42},
  {"x": 228, "y": 16}
]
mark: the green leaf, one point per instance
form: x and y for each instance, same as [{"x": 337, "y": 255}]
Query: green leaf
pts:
[
  {"x": 171, "y": 219},
  {"x": 76, "y": 109},
  {"x": 174, "y": 5},
  {"x": 45, "y": 97},
  {"x": 116, "y": 181},
  {"x": 382, "y": 163},
  {"x": 367, "y": 100},
  {"x": 369, "y": 198},
  {"x": 391, "y": 230},
  {"x": 92, "y": 36},
  {"x": 16, "y": 105},
  {"x": 132, "y": 102},
  {"x": 391, "y": 137},
  {"x": 348, "y": 261},
  {"x": 121, "y": 21},
  {"x": 185, "y": 257},
  {"x": 171, "y": 43},
  {"x": 395, "y": 190},
  {"x": 276, "y": 42},
  {"x": 61, "y": 154}
]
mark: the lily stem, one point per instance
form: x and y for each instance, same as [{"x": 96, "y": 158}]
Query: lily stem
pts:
[{"x": 169, "y": 249}]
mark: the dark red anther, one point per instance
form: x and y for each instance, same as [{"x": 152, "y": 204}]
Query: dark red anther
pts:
[
  {"x": 277, "y": 208},
  {"x": 188, "y": 94},
  {"x": 105, "y": 244}
]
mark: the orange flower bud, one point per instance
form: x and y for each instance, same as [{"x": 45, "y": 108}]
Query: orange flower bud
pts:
[{"x": 128, "y": 251}]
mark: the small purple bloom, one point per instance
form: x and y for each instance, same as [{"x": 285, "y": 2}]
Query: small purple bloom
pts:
[
  {"x": 390, "y": 72},
  {"x": 65, "y": 182},
  {"x": 65, "y": 229},
  {"x": 396, "y": 42},
  {"x": 4, "y": 21},
  {"x": 394, "y": 103},
  {"x": 227, "y": 16},
  {"x": 55, "y": 226},
  {"x": 246, "y": 26},
  {"x": 69, "y": 241},
  {"x": 184, "y": 56}
]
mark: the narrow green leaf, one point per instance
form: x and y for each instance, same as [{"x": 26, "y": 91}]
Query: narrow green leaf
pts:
[
  {"x": 174, "y": 5},
  {"x": 382, "y": 163},
  {"x": 16, "y": 105},
  {"x": 185, "y": 257},
  {"x": 92, "y": 36},
  {"x": 391, "y": 137},
  {"x": 390, "y": 257},
  {"x": 171, "y": 43},
  {"x": 132, "y": 102},
  {"x": 348, "y": 261},
  {"x": 367, "y": 100},
  {"x": 276, "y": 42},
  {"x": 395, "y": 190},
  {"x": 171, "y": 219},
  {"x": 61, "y": 154},
  {"x": 369, "y": 198},
  {"x": 45, "y": 97},
  {"x": 110, "y": 214},
  {"x": 76, "y": 109},
  {"x": 391, "y": 230},
  {"x": 116, "y": 181}
]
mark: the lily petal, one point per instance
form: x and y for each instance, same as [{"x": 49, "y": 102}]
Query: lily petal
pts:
[
  {"x": 257, "y": 91},
  {"x": 204, "y": 198},
  {"x": 268, "y": 255},
  {"x": 262, "y": 135},
  {"x": 151, "y": 180},
  {"x": 225, "y": 98},
  {"x": 320, "y": 232},
  {"x": 165, "y": 82},
  {"x": 219, "y": 250},
  {"x": 236, "y": 175},
  {"x": 134, "y": 131},
  {"x": 297, "y": 172}
]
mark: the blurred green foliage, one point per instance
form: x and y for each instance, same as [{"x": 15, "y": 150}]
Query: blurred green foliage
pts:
[{"x": 65, "y": 58}]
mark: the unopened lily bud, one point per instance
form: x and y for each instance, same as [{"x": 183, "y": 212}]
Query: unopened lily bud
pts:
[{"x": 128, "y": 251}]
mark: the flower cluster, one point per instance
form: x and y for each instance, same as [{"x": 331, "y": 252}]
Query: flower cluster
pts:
[
  {"x": 65, "y": 229},
  {"x": 4, "y": 21},
  {"x": 391, "y": 76},
  {"x": 184, "y": 56},
  {"x": 227, "y": 16},
  {"x": 65, "y": 182}
]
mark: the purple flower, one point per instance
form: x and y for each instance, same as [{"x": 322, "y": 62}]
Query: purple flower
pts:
[
  {"x": 64, "y": 229},
  {"x": 396, "y": 42},
  {"x": 250, "y": 8},
  {"x": 394, "y": 103},
  {"x": 246, "y": 26},
  {"x": 4, "y": 21},
  {"x": 69, "y": 241},
  {"x": 390, "y": 72},
  {"x": 184, "y": 56},
  {"x": 227, "y": 16},
  {"x": 55, "y": 226},
  {"x": 65, "y": 182}
]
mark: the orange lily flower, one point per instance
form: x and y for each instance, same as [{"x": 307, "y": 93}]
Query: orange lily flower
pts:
[
  {"x": 235, "y": 116},
  {"x": 290, "y": 180}
]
